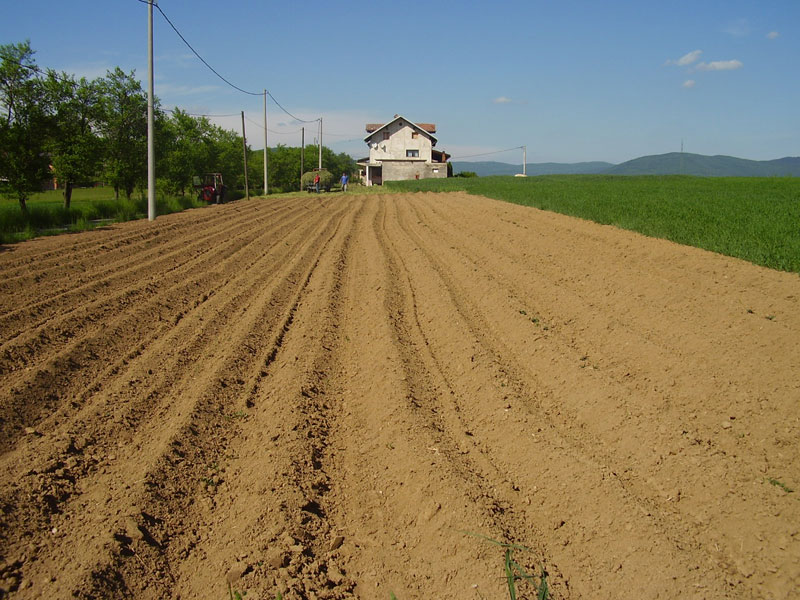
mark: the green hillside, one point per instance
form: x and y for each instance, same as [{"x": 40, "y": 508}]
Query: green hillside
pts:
[
  {"x": 672, "y": 163},
  {"x": 682, "y": 163}
]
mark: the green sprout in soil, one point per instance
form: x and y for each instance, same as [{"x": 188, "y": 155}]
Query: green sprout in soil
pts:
[
  {"x": 514, "y": 572},
  {"x": 780, "y": 484}
]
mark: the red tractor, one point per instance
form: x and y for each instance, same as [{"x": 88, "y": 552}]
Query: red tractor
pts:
[{"x": 210, "y": 188}]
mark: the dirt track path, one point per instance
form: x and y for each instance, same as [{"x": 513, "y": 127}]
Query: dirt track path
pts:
[{"x": 326, "y": 396}]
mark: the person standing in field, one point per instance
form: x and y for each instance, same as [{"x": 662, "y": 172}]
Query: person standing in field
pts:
[
  {"x": 345, "y": 179},
  {"x": 316, "y": 182}
]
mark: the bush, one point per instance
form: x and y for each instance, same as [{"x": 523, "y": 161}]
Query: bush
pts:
[{"x": 325, "y": 179}]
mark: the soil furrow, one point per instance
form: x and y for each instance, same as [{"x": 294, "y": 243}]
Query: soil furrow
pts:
[
  {"x": 88, "y": 348},
  {"x": 139, "y": 261},
  {"x": 87, "y": 459},
  {"x": 301, "y": 528},
  {"x": 355, "y": 396},
  {"x": 113, "y": 242}
]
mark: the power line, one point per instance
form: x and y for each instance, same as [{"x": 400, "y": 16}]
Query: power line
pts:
[
  {"x": 261, "y": 126},
  {"x": 487, "y": 153},
  {"x": 340, "y": 135},
  {"x": 203, "y": 60},
  {"x": 299, "y": 120},
  {"x": 188, "y": 114},
  {"x": 236, "y": 87}
]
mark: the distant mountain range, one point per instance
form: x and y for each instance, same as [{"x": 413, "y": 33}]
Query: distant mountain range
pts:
[{"x": 672, "y": 163}]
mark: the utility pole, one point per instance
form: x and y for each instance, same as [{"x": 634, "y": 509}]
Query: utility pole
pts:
[
  {"x": 266, "y": 188},
  {"x": 302, "y": 154},
  {"x": 244, "y": 149},
  {"x": 151, "y": 148},
  {"x": 524, "y": 160},
  {"x": 320, "y": 144}
]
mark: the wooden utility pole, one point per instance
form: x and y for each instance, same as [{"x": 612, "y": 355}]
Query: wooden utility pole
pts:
[{"x": 244, "y": 149}]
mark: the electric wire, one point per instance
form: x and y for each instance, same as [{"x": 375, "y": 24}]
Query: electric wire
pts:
[
  {"x": 197, "y": 54},
  {"x": 486, "y": 153},
  {"x": 236, "y": 87},
  {"x": 298, "y": 119},
  {"x": 188, "y": 114},
  {"x": 261, "y": 126}
]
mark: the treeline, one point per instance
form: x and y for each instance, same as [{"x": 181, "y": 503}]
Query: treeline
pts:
[{"x": 80, "y": 132}]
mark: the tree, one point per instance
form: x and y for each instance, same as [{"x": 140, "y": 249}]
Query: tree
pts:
[
  {"x": 226, "y": 157},
  {"x": 24, "y": 125},
  {"x": 187, "y": 150},
  {"x": 123, "y": 125},
  {"x": 75, "y": 145},
  {"x": 284, "y": 168}
]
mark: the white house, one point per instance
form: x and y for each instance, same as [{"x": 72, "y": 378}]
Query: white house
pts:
[{"x": 401, "y": 149}]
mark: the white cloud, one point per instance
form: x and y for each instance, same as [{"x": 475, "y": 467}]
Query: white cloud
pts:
[
  {"x": 502, "y": 100},
  {"x": 689, "y": 83},
  {"x": 719, "y": 65},
  {"x": 686, "y": 59},
  {"x": 739, "y": 28},
  {"x": 772, "y": 35}
]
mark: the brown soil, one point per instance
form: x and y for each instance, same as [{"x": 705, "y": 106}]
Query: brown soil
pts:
[{"x": 336, "y": 396}]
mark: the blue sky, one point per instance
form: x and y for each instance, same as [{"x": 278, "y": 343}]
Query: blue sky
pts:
[{"x": 572, "y": 80}]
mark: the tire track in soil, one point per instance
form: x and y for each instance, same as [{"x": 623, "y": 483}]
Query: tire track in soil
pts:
[
  {"x": 397, "y": 536},
  {"x": 73, "y": 457},
  {"x": 691, "y": 511},
  {"x": 569, "y": 467}
]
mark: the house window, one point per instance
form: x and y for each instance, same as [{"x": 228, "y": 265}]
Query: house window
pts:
[
  {"x": 386, "y": 135},
  {"x": 412, "y": 153},
  {"x": 414, "y": 135}
]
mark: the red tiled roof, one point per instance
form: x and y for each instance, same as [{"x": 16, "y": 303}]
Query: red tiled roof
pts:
[{"x": 429, "y": 127}]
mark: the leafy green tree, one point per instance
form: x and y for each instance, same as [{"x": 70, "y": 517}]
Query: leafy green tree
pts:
[
  {"x": 74, "y": 145},
  {"x": 187, "y": 149},
  {"x": 284, "y": 168},
  {"x": 123, "y": 125},
  {"x": 24, "y": 126},
  {"x": 226, "y": 157}
]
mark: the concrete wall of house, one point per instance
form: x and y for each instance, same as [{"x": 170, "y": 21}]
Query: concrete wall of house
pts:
[
  {"x": 398, "y": 170},
  {"x": 401, "y": 138}
]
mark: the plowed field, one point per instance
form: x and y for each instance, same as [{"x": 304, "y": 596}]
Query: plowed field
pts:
[{"x": 337, "y": 396}]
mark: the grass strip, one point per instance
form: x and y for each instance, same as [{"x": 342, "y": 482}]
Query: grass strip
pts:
[{"x": 90, "y": 208}]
